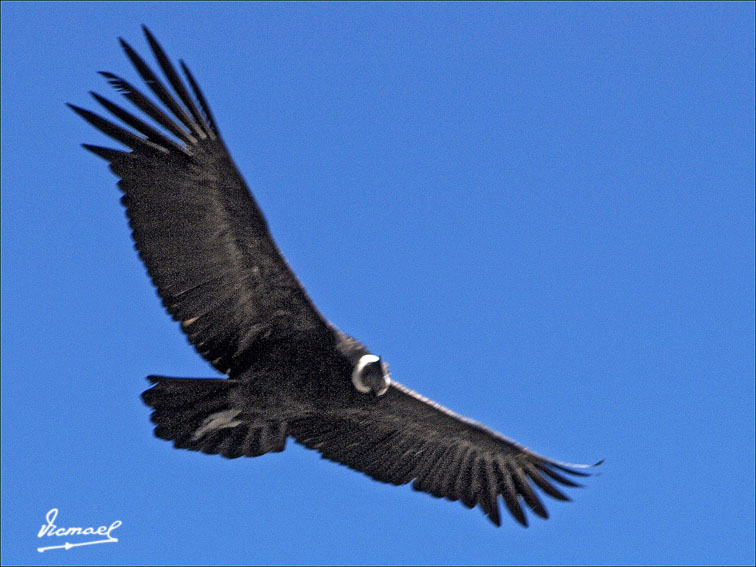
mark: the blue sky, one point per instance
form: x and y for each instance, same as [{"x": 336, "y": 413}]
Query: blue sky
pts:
[{"x": 541, "y": 215}]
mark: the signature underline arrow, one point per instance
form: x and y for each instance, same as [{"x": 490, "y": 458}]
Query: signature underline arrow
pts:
[{"x": 69, "y": 545}]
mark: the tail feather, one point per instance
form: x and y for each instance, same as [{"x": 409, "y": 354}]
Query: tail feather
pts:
[{"x": 199, "y": 415}]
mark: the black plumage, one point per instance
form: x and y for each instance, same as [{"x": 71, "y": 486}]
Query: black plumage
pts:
[{"x": 209, "y": 252}]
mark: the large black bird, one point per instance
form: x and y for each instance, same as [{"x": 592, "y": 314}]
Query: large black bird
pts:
[{"x": 290, "y": 373}]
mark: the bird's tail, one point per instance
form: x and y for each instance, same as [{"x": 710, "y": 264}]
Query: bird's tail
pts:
[{"x": 199, "y": 414}]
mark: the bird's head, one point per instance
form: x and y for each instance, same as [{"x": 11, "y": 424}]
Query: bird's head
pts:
[{"x": 371, "y": 374}]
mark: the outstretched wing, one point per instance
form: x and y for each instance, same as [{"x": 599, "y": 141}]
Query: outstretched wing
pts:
[
  {"x": 195, "y": 223},
  {"x": 402, "y": 436}
]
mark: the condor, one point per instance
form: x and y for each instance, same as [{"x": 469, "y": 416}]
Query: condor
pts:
[{"x": 290, "y": 373}]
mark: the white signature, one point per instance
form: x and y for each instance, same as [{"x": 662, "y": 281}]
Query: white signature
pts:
[{"x": 50, "y": 529}]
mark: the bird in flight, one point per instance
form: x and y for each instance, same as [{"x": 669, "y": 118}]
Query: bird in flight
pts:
[{"x": 289, "y": 371}]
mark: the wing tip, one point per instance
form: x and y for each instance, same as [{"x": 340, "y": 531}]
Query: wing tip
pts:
[
  {"x": 107, "y": 154},
  {"x": 570, "y": 467},
  {"x": 150, "y": 38},
  {"x": 148, "y": 34},
  {"x": 522, "y": 519}
]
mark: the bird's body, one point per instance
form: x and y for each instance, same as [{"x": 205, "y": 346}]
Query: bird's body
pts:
[{"x": 290, "y": 373}]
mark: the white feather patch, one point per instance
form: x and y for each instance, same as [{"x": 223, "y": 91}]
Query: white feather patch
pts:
[
  {"x": 365, "y": 359},
  {"x": 217, "y": 420}
]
